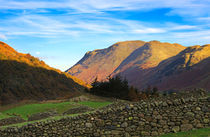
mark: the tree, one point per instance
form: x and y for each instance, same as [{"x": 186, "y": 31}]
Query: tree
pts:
[
  {"x": 148, "y": 90},
  {"x": 114, "y": 87},
  {"x": 155, "y": 91},
  {"x": 132, "y": 94}
]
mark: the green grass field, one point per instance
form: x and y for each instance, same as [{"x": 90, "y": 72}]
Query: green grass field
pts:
[
  {"x": 29, "y": 109},
  {"x": 204, "y": 132}
]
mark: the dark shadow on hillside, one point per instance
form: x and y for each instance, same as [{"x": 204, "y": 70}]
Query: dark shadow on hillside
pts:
[
  {"x": 133, "y": 57},
  {"x": 195, "y": 76},
  {"x": 19, "y": 81}
]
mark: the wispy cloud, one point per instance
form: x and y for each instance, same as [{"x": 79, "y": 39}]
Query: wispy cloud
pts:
[
  {"x": 204, "y": 18},
  {"x": 3, "y": 37},
  {"x": 37, "y": 53},
  {"x": 184, "y": 7},
  {"x": 42, "y": 26},
  {"x": 149, "y": 30},
  {"x": 183, "y": 27}
]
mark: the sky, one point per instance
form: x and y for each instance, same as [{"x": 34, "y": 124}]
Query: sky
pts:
[{"x": 60, "y": 32}]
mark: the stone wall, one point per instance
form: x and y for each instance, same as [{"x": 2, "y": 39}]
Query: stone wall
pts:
[{"x": 151, "y": 118}]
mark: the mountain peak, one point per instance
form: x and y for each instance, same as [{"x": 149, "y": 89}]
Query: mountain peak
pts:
[{"x": 101, "y": 63}]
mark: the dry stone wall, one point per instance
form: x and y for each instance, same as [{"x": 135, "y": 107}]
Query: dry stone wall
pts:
[{"x": 151, "y": 118}]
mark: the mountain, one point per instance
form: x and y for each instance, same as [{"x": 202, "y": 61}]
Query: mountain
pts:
[
  {"x": 101, "y": 63},
  {"x": 139, "y": 64},
  {"x": 24, "y": 77},
  {"x": 190, "y": 68},
  {"x": 131, "y": 59},
  {"x": 165, "y": 65}
]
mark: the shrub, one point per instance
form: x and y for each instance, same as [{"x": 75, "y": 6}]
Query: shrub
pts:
[{"x": 113, "y": 87}]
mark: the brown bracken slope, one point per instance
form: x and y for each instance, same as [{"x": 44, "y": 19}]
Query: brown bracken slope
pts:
[
  {"x": 167, "y": 66},
  {"x": 24, "y": 77}
]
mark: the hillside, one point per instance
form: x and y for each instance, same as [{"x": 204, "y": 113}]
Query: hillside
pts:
[
  {"x": 24, "y": 77},
  {"x": 167, "y": 66},
  {"x": 142, "y": 61},
  {"x": 132, "y": 59},
  {"x": 101, "y": 63},
  {"x": 190, "y": 68}
]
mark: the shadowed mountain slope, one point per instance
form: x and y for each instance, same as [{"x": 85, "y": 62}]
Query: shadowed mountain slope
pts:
[
  {"x": 190, "y": 68},
  {"x": 143, "y": 60},
  {"x": 24, "y": 77}
]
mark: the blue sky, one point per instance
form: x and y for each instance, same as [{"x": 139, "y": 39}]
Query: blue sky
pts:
[{"x": 60, "y": 32}]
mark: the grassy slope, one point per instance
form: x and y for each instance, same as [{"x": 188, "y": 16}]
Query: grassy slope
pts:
[
  {"x": 30, "y": 109},
  {"x": 204, "y": 132}
]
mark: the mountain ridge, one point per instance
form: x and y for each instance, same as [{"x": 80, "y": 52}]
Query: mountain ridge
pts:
[
  {"x": 142, "y": 64},
  {"x": 108, "y": 60}
]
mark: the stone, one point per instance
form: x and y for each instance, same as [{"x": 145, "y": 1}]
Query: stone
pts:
[
  {"x": 159, "y": 117},
  {"x": 176, "y": 129},
  {"x": 165, "y": 104},
  {"x": 153, "y": 124},
  {"x": 144, "y": 133},
  {"x": 162, "y": 122},
  {"x": 147, "y": 128},
  {"x": 115, "y": 132},
  {"x": 88, "y": 125},
  {"x": 130, "y": 118},
  {"x": 206, "y": 121},
  {"x": 141, "y": 115},
  {"x": 190, "y": 114},
  {"x": 155, "y": 113},
  {"x": 186, "y": 127},
  {"x": 171, "y": 123},
  {"x": 128, "y": 129},
  {"x": 197, "y": 108},
  {"x": 199, "y": 125},
  {"x": 127, "y": 134},
  {"x": 154, "y": 133},
  {"x": 108, "y": 132},
  {"x": 185, "y": 121},
  {"x": 124, "y": 124},
  {"x": 141, "y": 123}
]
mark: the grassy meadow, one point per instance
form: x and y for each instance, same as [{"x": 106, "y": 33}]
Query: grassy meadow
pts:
[{"x": 26, "y": 110}]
